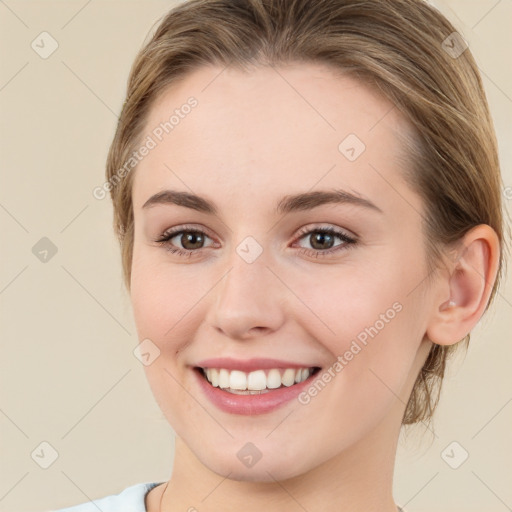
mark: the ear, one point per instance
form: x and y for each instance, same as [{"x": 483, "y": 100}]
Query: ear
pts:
[{"x": 465, "y": 291}]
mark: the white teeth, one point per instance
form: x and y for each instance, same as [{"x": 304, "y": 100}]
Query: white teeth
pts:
[
  {"x": 274, "y": 379},
  {"x": 288, "y": 377},
  {"x": 214, "y": 377},
  {"x": 237, "y": 380},
  {"x": 257, "y": 381},
  {"x": 223, "y": 378}
]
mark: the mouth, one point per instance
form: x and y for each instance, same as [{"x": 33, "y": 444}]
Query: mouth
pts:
[
  {"x": 252, "y": 386},
  {"x": 256, "y": 382}
]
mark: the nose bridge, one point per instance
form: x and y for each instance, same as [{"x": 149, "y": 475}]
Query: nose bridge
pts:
[{"x": 249, "y": 295}]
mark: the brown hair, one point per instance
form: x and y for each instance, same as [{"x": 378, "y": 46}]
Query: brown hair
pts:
[{"x": 405, "y": 48}]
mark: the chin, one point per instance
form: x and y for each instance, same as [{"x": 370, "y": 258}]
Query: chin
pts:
[{"x": 267, "y": 469}]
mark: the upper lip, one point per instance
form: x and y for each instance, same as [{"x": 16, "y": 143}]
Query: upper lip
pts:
[{"x": 249, "y": 365}]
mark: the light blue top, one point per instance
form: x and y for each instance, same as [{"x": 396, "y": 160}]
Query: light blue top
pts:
[{"x": 129, "y": 500}]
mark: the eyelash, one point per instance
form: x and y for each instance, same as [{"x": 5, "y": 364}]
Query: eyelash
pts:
[{"x": 348, "y": 241}]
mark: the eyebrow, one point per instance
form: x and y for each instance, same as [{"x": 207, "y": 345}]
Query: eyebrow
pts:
[{"x": 290, "y": 203}]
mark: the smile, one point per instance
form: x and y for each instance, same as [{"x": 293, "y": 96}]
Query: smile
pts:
[
  {"x": 252, "y": 387},
  {"x": 256, "y": 382}
]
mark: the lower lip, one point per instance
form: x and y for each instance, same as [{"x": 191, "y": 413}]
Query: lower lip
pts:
[{"x": 250, "y": 404}]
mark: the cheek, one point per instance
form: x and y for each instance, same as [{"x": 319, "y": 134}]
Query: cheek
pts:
[
  {"x": 162, "y": 299},
  {"x": 374, "y": 348},
  {"x": 368, "y": 319},
  {"x": 346, "y": 303},
  {"x": 163, "y": 305}
]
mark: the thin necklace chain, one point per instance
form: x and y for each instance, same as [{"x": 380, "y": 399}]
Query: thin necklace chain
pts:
[{"x": 162, "y": 498}]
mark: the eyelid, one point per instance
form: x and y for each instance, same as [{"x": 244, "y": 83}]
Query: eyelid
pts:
[
  {"x": 327, "y": 227},
  {"x": 185, "y": 227}
]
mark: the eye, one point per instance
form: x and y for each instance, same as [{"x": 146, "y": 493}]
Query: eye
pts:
[
  {"x": 191, "y": 240},
  {"x": 322, "y": 241}
]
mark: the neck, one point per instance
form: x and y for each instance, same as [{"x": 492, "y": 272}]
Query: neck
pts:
[{"x": 359, "y": 478}]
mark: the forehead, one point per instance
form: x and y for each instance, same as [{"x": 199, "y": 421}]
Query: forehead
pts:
[{"x": 268, "y": 128}]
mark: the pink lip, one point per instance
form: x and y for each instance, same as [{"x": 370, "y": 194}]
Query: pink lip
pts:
[
  {"x": 250, "y": 405},
  {"x": 250, "y": 365}
]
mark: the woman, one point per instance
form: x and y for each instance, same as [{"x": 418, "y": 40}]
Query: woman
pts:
[{"x": 307, "y": 197}]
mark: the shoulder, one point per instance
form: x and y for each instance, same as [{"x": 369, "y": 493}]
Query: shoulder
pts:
[{"x": 130, "y": 499}]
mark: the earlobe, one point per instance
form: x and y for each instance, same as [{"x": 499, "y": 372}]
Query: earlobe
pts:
[{"x": 471, "y": 277}]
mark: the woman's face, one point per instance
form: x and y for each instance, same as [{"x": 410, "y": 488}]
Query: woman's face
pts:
[{"x": 258, "y": 293}]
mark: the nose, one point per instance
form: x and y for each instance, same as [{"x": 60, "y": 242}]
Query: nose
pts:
[{"x": 249, "y": 301}]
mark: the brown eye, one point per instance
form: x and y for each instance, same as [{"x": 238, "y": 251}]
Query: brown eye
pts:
[
  {"x": 184, "y": 242},
  {"x": 192, "y": 240},
  {"x": 321, "y": 240}
]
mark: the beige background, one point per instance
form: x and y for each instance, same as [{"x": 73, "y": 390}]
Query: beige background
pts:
[{"x": 68, "y": 374}]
